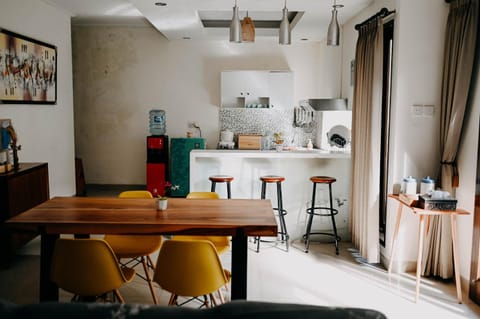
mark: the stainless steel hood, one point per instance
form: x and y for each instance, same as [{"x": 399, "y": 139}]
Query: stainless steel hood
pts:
[{"x": 328, "y": 104}]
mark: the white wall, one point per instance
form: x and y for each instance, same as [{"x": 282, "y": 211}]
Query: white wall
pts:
[
  {"x": 418, "y": 58},
  {"x": 120, "y": 73},
  {"x": 349, "y": 42},
  {"x": 418, "y": 55},
  {"x": 45, "y": 132}
]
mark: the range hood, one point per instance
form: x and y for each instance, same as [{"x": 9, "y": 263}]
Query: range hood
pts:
[{"x": 327, "y": 104}]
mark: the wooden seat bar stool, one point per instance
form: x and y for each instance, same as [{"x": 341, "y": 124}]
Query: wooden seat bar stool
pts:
[
  {"x": 281, "y": 212},
  {"x": 322, "y": 211},
  {"x": 221, "y": 179}
]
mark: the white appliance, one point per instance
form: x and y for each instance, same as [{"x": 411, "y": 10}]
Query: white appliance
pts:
[{"x": 333, "y": 130}]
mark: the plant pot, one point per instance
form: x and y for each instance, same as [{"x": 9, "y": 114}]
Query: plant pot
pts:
[{"x": 162, "y": 204}]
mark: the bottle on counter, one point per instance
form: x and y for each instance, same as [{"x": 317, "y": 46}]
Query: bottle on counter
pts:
[{"x": 309, "y": 144}]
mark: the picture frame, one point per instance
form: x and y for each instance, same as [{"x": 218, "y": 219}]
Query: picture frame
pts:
[{"x": 28, "y": 70}]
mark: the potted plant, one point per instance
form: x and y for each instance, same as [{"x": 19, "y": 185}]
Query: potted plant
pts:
[
  {"x": 162, "y": 200},
  {"x": 278, "y": 140}
]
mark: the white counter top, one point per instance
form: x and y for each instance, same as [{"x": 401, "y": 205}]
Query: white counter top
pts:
[{"x": 303, "y": 153}]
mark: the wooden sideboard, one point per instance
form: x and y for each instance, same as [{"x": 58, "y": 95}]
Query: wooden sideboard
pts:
[{"x": 20, "y": 190}]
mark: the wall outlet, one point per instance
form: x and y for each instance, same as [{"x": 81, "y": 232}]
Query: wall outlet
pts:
[
  {"x": 428, "y": 110},
  {"x": 423, "y": 110},
  {"x": 417, "y": 110}
]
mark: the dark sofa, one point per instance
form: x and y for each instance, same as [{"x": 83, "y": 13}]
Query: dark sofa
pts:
[{"x": 230, "y": 310}]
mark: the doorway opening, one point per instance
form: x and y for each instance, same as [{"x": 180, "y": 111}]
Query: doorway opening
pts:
[{"x": 386, "y": 103}]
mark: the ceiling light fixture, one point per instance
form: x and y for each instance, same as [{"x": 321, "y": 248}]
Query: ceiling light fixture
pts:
[
  {"x": 248, "y": 29},
  {"x": 284, "y": 35},
  {"x": 235, "y": 26},
  {"x": 333, "y": 35}
]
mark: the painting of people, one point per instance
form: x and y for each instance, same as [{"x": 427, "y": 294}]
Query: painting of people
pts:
[{"x": 27, "y": 70}]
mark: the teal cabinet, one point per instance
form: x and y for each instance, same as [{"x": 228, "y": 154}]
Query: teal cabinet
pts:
[{"x": 180, "y": 163}]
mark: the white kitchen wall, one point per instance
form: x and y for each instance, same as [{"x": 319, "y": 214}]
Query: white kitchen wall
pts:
[
  {"x": 120, "y": 73},
  {"x": 45, "y": 132}
]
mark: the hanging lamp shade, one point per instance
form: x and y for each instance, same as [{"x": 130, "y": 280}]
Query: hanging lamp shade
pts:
[
  {"x": 333, "y": 35},
  {"x": 284, "y": 36},
  {"x": 235, "y": 26},
  {"x": 248, "y": 29}
]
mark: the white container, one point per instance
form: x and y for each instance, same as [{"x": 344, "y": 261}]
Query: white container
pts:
[
  {"x": 162, "y": 204},
  {"x": 427, "y": 185},
  {"x": 309, "y": 144},
  {"x": 226, "y": 136},
  {"x": 409, "y": 185}
]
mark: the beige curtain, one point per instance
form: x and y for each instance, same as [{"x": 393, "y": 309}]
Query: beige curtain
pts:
[
  {"x": 459, "y": 54},
  {"x": 366, "y": 133}
]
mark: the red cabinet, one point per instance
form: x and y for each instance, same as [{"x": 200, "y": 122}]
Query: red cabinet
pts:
[{"x": 157, "y": 163}]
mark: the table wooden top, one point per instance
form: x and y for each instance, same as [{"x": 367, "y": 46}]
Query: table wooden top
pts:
[
  {"x": 421, "y": 211},
  {"x": 111, "y": 215}
]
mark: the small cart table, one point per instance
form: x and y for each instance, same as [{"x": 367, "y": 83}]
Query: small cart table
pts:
[{"x": 424, "y": 214}]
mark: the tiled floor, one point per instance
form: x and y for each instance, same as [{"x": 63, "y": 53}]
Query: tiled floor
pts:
[{"x": 319, "y": 277}]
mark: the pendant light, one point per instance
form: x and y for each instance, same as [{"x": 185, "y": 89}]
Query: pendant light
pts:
[
  {"x": 284, "y": 31},
  {"x": 248, "y": 29},
  {"x": 235, "y": 26},
  {"x": 333, "y": 35}
]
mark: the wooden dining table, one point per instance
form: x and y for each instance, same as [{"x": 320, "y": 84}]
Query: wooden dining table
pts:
[{"x": 82, "y": 216}]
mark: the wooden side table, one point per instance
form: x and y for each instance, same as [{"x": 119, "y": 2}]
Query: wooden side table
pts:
[
  {"x": 425, "y": 214},
  {"x": 20, "y": 190}
]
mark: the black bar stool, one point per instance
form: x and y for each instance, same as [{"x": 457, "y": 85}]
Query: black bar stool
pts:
[
  {"x": 324, "y": 211},
  {"x": 221, "y": 179},
  {"x": 279, "y": 209}
]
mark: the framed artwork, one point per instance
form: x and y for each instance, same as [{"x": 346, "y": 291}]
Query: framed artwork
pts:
[{"x": 28, "y": 70}]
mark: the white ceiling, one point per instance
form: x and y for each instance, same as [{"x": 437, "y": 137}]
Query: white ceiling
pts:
[{"x": 182, "y": 18}]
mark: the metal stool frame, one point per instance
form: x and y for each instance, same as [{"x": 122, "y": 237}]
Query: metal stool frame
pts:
[
  {"x": 281, "y": 212},
  {"x": 331, "y": 212}
]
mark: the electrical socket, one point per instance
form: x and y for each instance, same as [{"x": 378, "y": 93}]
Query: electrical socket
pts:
[
  {"x": 428, "y": 110},
  {"x": 417, "y": 110}
]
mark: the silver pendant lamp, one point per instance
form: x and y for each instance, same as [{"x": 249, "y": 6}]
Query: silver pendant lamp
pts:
[
  {"x": 235, "y": 26},
  {"x": 284, "y": 36},
  {"x": 333, "y": 35}
]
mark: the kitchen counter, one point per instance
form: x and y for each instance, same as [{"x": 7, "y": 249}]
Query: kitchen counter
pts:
[
  {"x": 298, "y": 153},
  {"x": 297, "y": 166}
]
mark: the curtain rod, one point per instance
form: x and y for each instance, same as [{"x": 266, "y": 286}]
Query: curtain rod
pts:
[{"x": 382, "y": 14}]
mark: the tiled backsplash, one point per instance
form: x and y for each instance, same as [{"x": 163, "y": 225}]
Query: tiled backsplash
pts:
[{"x": 266, "y": 122}]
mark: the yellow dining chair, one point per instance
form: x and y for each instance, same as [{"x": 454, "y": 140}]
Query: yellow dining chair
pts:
[
  {"x": 137, "y": 248},
  {"x": 89, "y": 269},
  {"x": 221, "y": 243},
  {"x": 190, "y": 268}
]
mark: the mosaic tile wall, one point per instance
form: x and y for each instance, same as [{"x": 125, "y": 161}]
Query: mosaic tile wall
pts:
[{"x": 266, "y": 122}]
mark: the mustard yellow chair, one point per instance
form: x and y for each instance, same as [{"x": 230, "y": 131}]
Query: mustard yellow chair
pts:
[
  {"x": 221, "y": 243},
  {"x": 88, "y": 268},
  {"x": 190, "y": 268},
  {"x": 137, "y": 248}
]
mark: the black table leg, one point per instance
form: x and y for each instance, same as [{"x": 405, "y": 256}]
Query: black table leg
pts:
[
  {"x": 48, "y": 289},
  {"x": 239, "y": 266}
]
